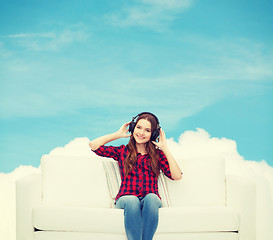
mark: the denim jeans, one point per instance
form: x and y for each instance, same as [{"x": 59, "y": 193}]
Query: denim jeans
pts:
[{"x": 140, "y": 215}]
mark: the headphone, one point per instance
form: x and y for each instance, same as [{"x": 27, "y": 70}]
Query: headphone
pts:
[{"x": 155, "y": 132}]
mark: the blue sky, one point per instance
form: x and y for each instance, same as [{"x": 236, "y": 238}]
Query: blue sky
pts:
[{"x": 81, "y": 68}]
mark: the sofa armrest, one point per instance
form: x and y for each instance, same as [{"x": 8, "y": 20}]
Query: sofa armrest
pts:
[
  {"x": 28, "y": 195},
  {"x": 241, "y": 195}
]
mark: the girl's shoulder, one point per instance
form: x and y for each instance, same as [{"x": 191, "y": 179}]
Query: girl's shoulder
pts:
[
  {"x": 110, "y": 149},
  {"x": 121, "y": 148}
]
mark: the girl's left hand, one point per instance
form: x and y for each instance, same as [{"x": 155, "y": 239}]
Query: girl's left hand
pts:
[{"x": 162, "y": 140}]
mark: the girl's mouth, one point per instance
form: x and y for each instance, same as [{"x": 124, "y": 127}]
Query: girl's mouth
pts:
[{"x": 140, "y": 137}]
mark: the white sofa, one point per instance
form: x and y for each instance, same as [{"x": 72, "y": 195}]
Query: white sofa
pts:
[{"x": 70, "y": 200}]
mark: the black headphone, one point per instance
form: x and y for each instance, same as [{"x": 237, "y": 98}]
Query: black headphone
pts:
[{"x": 155, "y": 132}]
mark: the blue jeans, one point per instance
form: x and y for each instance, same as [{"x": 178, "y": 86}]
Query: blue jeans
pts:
[{"x": 140, "y": 215}]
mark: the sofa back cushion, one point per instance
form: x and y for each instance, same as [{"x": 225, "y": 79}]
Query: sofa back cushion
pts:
[
  {"x": 74, "y": 181},
  {"x": 202, "y": 184}
]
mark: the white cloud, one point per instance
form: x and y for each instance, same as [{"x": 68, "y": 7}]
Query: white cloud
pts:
[
  {"x": 169, "y": 4},
  {"x": 77, "y": 147},
  {"x": 156, "y": 15},
  {"x": 30, "y": 35},
  {"x": 50, "y": 41},
  {"x": 190, "y": 144},
  {"x": 232, "y": 59}
]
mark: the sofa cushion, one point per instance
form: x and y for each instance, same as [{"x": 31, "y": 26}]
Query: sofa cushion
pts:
[
  {"x": 103, "y": 220},
  {"x": 114, "y": 181},
  {"x": 76, "y": 219},
  {"x": 198, "y": 219},
  {"x": 74, "y": 181},
  {"x": 202, "y": 184}
]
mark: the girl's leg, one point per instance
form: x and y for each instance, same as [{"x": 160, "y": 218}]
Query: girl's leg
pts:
[
  {"x": 132, "y": 216},
  {"x": 150, "y": 205}
]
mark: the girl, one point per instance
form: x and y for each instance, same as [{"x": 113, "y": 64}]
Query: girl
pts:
[{"x": 140, "y": 162}]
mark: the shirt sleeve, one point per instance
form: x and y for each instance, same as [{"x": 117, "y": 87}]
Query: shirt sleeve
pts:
[
  {"x": 109, "y": 151},
  {"x": 164, "y": 164}
]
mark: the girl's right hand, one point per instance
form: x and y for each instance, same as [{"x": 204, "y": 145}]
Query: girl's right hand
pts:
[{"x": 123, "y": 131}]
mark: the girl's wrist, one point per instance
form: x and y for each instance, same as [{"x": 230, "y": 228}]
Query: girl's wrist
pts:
[
  {"x": 117, "y": 135},
  {"x": 164, "y": 149}
]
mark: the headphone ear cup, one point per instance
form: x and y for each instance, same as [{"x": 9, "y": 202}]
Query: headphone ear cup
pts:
[
  {"x": 132, "y": 126},
  {"x": 154, "y": 135}
]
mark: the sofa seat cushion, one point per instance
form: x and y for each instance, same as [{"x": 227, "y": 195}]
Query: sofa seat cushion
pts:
[
  {"x": 198, "y": 219},
  {"x": 75, "y": 219},
  {"x": 107, "y": 220}
]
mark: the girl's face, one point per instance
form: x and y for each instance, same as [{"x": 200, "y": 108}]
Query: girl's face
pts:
[{"x": 142, "y": 132}]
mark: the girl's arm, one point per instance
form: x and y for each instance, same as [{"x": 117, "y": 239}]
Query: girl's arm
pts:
[
  {"x": 121, "y": 133},
  {"x": 174, "y": 168}
]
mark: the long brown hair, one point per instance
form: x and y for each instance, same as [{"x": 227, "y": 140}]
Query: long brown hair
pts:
[{"x": 131, "y": 158}]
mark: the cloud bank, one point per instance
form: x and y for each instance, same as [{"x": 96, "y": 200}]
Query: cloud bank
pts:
[{"x": 190, "y": 144}]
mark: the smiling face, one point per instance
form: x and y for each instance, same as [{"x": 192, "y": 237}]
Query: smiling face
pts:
[{"x": 142, "y": 132}]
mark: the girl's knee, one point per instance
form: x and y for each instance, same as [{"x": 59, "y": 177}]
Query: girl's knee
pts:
[
  {"x": 152, "y": 199},
  {"x": 128, "y": 201}
]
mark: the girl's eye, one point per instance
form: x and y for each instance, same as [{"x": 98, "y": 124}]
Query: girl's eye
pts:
[
  {"x": 148, "y": 130},
  {"x": 138, "y": 127}
]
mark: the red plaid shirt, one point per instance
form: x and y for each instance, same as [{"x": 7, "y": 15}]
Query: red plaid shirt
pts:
[{"x": 141, "y": 180}]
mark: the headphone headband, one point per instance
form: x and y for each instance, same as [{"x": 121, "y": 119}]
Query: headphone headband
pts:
[{"x": 147, "y": 113}]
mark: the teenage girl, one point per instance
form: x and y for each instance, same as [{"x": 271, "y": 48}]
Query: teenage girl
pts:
[{"x": 140, "y": 162}]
